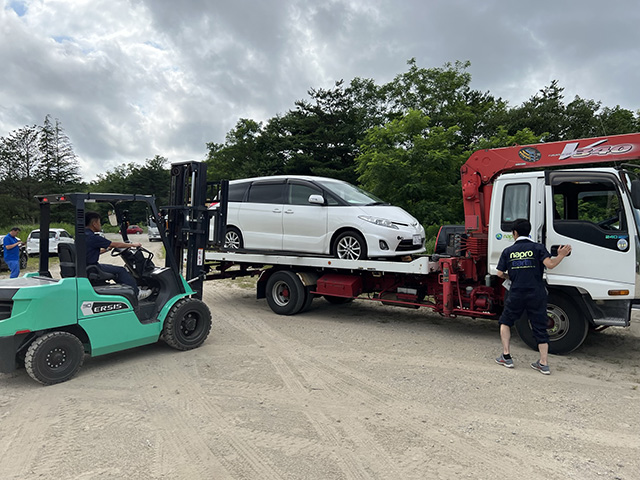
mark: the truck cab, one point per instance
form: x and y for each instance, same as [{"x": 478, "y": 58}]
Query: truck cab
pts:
[{"x": 591, "y": 209}]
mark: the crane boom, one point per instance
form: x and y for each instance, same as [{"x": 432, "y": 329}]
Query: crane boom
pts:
[{"x": 481, "y": 169}]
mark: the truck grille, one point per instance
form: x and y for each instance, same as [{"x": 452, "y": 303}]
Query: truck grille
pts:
[{"x": 5, "y": 309}]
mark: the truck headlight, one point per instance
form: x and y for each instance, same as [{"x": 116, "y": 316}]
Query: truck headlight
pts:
[{"x": 383, "y": 222}]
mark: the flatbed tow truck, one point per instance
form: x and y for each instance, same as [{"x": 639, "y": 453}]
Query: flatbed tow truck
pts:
[
  {"x": 49, "y": 324},
  {"x": 595, "y": 209}
]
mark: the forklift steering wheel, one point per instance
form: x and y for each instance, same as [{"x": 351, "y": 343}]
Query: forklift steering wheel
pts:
[{"x": 116, "y": 252}]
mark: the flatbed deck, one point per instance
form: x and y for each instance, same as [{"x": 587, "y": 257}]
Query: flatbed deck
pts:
[{"x": 422, "y": 265}]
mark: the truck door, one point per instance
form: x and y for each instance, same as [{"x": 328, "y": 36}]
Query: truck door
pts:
[
  {"x": 517, "y": 195},
  {"x": 589, "y": 211}
]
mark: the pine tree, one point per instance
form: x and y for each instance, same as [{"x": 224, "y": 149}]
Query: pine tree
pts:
[{"x": 59, "y": 165}]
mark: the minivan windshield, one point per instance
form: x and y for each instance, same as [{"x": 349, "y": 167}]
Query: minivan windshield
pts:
[{"x": 350, "y": 193}]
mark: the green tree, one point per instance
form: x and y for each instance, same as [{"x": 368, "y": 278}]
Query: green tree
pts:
[
  {"x": 544, "y": 113},
  {"x": 19, "y": 162},
  {"x": 411, "y": 164},
  {"x": 245, "y": 153},
  {"x": 58, "y": 167},
  {"x": 152, "y": 178},
  {"x": 444, "y": 95},
  {"x": 617, "y": 120},
  {"x": 318, "y": 137}
]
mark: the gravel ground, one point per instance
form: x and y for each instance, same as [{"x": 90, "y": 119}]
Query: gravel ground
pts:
[{"x": 357, "y": 391}]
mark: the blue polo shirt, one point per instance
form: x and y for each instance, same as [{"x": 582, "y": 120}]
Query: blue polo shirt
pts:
[
  {"x": 10, "y": 254},
  {"x": 523, "y": 261},
  {"x": 94, "y": 244}
]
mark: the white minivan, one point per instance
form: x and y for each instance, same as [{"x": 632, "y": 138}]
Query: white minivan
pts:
[
  {"x": 317, "y": 215},
  {"x": 56, "y": 235}
]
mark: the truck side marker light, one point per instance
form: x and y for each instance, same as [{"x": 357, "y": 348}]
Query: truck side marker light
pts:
[
  {"x": 22, "y": 331},
  {"x": 618, "y": 292}
]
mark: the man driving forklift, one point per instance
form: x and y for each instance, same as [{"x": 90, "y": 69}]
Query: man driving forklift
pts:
[{"x": 97, "y": 245}]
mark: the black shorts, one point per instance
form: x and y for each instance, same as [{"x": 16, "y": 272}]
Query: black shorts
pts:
[{"x": 534, "y": 303}]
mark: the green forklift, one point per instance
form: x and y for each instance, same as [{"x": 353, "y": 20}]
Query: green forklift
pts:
[{"x": 48, "y": 324}]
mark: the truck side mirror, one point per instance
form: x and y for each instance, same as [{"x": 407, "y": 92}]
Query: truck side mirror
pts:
[{"x": 635, "y": 193}]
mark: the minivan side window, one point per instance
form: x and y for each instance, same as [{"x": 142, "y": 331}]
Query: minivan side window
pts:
[
  {"x": 237, "y": 191},
  {"x": 299, "y": 194},
  {"x": 266, "y": 193}
]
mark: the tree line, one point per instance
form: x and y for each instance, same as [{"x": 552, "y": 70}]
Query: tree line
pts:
[
  {"x": 41, "y": 160},
  {"x": 403, "y": 140},
  {"x": 406, "y": 140}
]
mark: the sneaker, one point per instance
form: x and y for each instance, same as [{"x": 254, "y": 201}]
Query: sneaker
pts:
[
  {"x": 507, "y": 362},
  {"x": 143, "y": 293},
  {"x": 543, "y": 369}
]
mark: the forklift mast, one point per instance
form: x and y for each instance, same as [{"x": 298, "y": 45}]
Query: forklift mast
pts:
[{"x": 188, "y": 219}]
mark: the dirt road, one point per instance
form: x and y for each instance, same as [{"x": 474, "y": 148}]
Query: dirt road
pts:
[{"x": 360, "y": 391}]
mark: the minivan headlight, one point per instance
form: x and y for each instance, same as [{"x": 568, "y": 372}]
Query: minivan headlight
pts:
[{"x": 383, "y": 222}]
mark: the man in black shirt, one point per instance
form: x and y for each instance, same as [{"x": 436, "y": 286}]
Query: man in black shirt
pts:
[
  {"x": 97, "y": 245},
  {"x": 525, "y": 261}
]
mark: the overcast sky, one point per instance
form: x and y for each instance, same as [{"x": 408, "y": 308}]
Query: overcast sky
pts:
[{"x": 130, "y": 79}]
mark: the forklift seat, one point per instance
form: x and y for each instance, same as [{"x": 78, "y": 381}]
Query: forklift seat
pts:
[
  {"x": 67, "y": 256},
  {"x": 97, "y": 276}
]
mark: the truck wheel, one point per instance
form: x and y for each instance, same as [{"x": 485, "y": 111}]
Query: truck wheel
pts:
[
  {"x": 308, "y": 299},
  {"x": 350, "y": 245},
  {"x": 337, "y": 300},
  {"x": 187, "y": 325},
  {"x": 54, "y": 357},
  {"x": 233, "y": 239},
  {"x": 285, "y": 293},
  {"x": 567, "y": 328}
]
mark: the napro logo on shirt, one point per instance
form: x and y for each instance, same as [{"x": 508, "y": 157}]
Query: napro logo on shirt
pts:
[{"x": 521, "y": 255}]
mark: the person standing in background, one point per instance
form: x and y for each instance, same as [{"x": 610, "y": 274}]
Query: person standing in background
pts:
[{"x": 11, "y": 246}]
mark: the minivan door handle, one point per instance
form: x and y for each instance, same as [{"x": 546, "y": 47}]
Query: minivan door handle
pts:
[
  {"x": 277, "y": 210},
  {"x": 289, "y": 211}
]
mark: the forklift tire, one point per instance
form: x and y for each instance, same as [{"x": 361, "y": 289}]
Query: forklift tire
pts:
[
  {"x": 187, "y": 325},
  {"x": 285, "y": 293},
  {"x": 567, "y": 328},
  {"x": 54, "y": 357}
]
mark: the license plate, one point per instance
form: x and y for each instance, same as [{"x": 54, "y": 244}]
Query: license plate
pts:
[{"x": 417, "y": 240}]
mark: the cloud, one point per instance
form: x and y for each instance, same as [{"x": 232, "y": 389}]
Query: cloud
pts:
[{"x": 130, "y": 80}]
